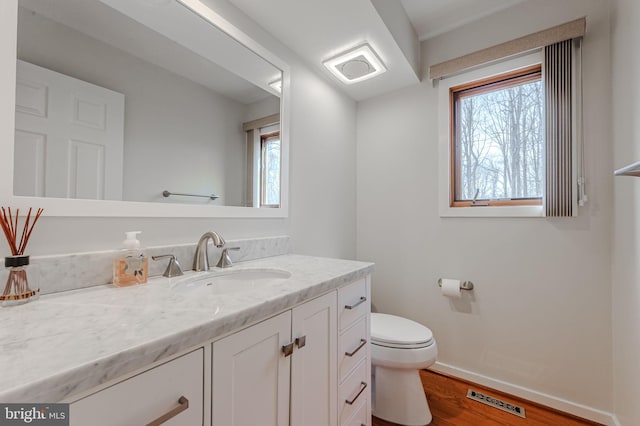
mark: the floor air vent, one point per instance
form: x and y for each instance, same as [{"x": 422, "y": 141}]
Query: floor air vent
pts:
[{"x": 496, "y": 403}]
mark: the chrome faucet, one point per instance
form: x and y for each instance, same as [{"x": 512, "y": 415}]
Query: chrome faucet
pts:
[{"x": 201, "y": 258}]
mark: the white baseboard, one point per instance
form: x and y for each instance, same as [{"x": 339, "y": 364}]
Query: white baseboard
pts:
[{"x": 541, "y": 398}]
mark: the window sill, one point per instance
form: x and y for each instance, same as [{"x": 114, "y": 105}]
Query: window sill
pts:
[{"x": 493, "y": 211}]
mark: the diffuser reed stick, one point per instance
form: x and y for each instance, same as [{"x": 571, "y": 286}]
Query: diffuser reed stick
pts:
[
  {"x": 10, "y": 228},
  {"x": 17, "y": 286}
]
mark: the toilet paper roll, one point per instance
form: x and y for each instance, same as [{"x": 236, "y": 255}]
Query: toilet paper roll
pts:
[{"x": 451, "y": 288}]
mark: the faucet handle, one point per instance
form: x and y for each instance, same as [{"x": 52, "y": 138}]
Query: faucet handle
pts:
[
  {"x": 173, "y": 268},
  {"x": 225, "y": 260}
]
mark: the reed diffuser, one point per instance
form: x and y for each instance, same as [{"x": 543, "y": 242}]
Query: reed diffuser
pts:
[{"x": 18, "y": 289}]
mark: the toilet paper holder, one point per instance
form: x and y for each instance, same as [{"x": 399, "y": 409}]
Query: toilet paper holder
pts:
[{"x": 464, "y": 285}]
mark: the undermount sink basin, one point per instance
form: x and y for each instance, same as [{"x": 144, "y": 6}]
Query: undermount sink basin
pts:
[{"x": 233, "y": 281}]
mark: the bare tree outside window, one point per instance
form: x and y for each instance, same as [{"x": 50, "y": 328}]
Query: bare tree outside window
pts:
[
  {"x": 499, "y": 138},
  {"x": 270, "y": 176}
]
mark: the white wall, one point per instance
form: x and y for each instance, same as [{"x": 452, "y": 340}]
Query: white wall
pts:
[
  {"x": 322, "y": 176},
  {"x": 540, "y": 316},
  {"x": 626, "y": 223},
  {"x": 325, "y": 161},
  {"x": 262, "y": 108}
]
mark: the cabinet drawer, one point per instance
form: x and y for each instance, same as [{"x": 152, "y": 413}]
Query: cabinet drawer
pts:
[
  {"x": 147, "y": 396},
  {"x": 353, "y": 346},
  {"x": 352, "y": 303},
  {"x": 360, "y": 417},
  {"x": 353, "y": 391}
]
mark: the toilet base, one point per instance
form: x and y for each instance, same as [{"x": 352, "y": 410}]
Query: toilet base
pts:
[{"x": 399, "y": 397}]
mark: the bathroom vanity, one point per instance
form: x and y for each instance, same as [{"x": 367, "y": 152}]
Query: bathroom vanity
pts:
[{"x": 293, "y": 351}]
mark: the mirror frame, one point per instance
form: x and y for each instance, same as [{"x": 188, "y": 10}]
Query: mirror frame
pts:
[{"x": 110, "y": 208}]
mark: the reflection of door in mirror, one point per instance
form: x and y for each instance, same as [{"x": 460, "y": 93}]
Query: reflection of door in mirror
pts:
[{"x": 69, "y": 136}]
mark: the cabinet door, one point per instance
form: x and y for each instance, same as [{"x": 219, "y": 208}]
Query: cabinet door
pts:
[
  {"x": 314, "y": 363},
  {"x": 148, "y": 396},
  {"x": 250, "y": 379}
]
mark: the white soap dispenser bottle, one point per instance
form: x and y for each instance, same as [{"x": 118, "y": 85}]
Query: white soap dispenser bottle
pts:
[{"x": 130, "y": 267}]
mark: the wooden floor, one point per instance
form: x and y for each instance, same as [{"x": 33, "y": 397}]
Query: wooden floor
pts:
[{"x": 450, "y": 406}]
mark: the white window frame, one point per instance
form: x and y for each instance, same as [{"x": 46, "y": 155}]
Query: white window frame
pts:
[{"x": 444, "y": 142}]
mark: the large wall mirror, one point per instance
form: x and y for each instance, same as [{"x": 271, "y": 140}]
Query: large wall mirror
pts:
[{"x": 143, "y": 108}]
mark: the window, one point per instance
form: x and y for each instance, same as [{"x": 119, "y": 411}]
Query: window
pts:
[
  {"x": 270, "y": 170},
  {"x": 497, "y": 140},
  {"x": 510, "y": 137}
]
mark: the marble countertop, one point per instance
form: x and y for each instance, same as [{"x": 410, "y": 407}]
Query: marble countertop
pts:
[{"x": 67, "y": 343}]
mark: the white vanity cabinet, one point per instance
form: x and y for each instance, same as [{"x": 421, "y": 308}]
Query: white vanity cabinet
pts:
[
  {"x": 282, "y": 371},
  {"x": 169, "y": 394},
  {"x": 307, "y": 366},
  {"x": 354, "y": 403}
]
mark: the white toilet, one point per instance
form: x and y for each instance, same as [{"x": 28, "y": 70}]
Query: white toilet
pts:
[{"x": 399, "y": 349}]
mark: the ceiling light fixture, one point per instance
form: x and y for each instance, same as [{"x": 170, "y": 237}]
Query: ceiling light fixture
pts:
[{"x": 355, "y": 65}]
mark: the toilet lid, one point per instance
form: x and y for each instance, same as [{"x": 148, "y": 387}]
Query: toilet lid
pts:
[{"x": 397, "y": 331}]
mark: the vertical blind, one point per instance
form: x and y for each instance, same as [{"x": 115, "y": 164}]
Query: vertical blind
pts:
[{"x": 561, "y": 128}]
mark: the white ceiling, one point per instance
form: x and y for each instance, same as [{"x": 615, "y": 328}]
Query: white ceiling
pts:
[
  {"x": 319, "y": 29},
  {"x": 316, "y": 30},
  {"x": 103, "y": 23},
  {"x": 433, "y": 17}
]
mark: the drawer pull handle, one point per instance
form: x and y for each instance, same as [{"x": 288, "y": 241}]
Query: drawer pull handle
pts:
[
  {"x": 359, "y": 302},
  {"x": 183, "y": 405},
  {"x": 364, "y": 386},
  {"x": 287, "y": 349},
  {"x": 360, "y": 346},
  {"x": 301, "y": 341}
]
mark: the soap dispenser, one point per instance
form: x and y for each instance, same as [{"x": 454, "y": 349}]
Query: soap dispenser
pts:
[{"x": 130, "y": 267}]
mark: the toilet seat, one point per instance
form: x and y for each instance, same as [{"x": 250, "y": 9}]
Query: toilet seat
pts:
[{"x": 401, "y": 333}]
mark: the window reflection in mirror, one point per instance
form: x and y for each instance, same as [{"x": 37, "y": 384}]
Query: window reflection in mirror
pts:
[
  {"x": 108, "y": 108},
  {"x": 270, "y": 170}
]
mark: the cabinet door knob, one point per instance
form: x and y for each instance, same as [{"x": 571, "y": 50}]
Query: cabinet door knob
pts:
[
  {"x": 301, "y": 341},
  {"x": 360, "y": 346},
  {"x": 287, "y": 350},
  {"x": 359, "y": 302},
  {"x": 364, "y": 386},
  {"x": 183, "y": 405}
]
